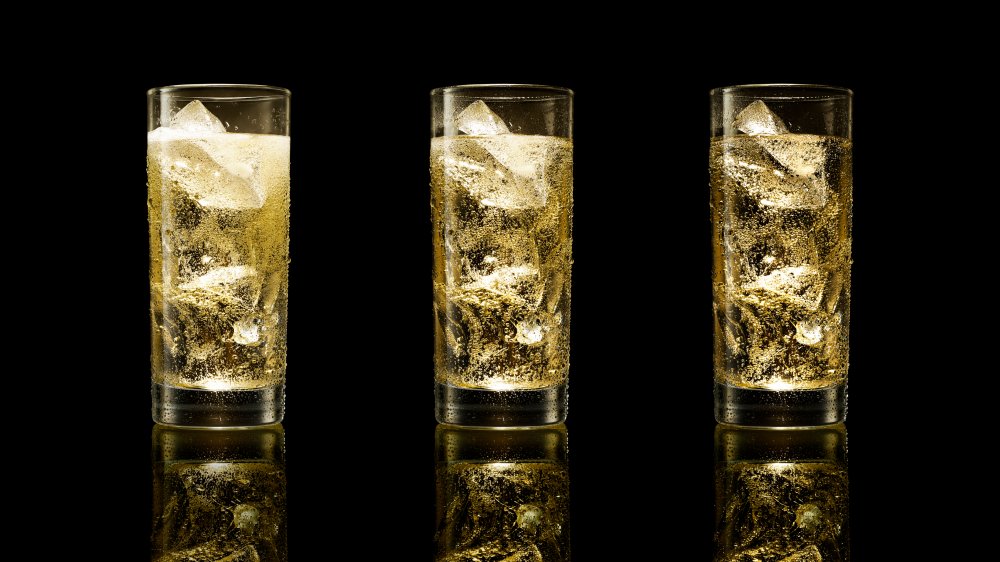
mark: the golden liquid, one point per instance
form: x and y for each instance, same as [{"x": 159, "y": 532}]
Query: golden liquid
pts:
[
  {"x": 218, "y": 227},
  {"x": 782, "y": 512},
  {"x": 232, "y": 511},
  {"x": 515, "y": 511},
  {"x": 502, "y": 210},
  {"x": 781, "y": 209}
]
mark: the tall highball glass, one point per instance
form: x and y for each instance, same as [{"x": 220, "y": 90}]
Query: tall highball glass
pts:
[
  {"x": 501, "y": 168},
  {"x": 218, "y": 171},
  {"x": 780, "y": 164}
]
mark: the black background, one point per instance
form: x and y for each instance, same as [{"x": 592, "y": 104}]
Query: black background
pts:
[{"x": 359, "y": 423}]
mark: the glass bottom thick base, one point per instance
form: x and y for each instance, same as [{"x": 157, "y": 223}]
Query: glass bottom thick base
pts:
[
  {"x": 500, "y": 408},
  {"x": 218, "y": 408},
  {"x": 780, "y": 408}
]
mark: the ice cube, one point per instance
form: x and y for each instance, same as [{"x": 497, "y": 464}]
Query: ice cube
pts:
[
  {"x": 801, "y": 155},
  {"x": 771, "y": 183},
  {"x": 245, "y": 516},
  {"x": 230, "y": 285},
  {"x": 529, "y": 517},
  {"x": 800, "y": 285},
  {"x": 478, "y": 119},
  {"x": 758, "y": 119},
  {"x": 219, "y": 277},
  {"x": 510, "y": 280},
  {"x": 502, "y": 171},
  {"x": 808, "y": 554},
  {"x": 196, "y": 118},
  {"x": 808, "y": 516},
  {"x": 510, "y": 179},
  {"x": 247, "y": 331},
  {"x": 492, "y": 253},
  {"x": 530, "y": 330},
  {"x": 217, "y": 171},
  {"x": 789, "y": 172},
  {"x": 504, "y": 265},
  {"x": 809, "y": 331},
  {"x": 523, "y": 155}
]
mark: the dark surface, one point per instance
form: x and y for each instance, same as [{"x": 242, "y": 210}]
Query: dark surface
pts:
[{"x": 359, "y": 420}]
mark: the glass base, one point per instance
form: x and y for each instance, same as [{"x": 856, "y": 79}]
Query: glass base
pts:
[
  {"x": 218, "y": 408},
  {"x": 500, "y": 408},
  {"x": 780, "y": 408}
]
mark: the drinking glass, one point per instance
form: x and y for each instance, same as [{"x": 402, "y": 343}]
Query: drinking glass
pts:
[
  {"x": 218, "y": 171},
  {"x": 501, "y": 168},
  {"x": 780, "y": 165}
]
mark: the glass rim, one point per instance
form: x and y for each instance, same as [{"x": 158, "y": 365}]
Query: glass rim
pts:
[
  {"x": 552, "y": 91},
  {"x": 806, "y": 91},
  {"x": 264, "y": 92}
]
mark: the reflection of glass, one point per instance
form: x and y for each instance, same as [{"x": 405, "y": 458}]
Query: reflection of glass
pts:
[
  {"x": 219, "y": 495},
  {"x": 781, "y": 495},
  {"x": 502, "y": 494}
]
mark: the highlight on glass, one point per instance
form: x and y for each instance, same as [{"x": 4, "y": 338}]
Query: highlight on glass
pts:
[
  {"x": 501, "y": 167},
  {"x": 218, "y": 178},
  {"x": 781, "y": 203}
]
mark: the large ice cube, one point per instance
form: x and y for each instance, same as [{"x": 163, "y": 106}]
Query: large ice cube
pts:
[
  {"x": 504, "y": 171},
  {"x": 764, "y": 248},
  {"x": 192, "y": 121},
  {"x": 216, "y": 170},
  {"x": 523, "y": 155},
  {"x": 801, "y": 155},
  {"x": 230, "y": 285},
  {"x": 219, "y": 277},
  {"x": 513, "y": 281},
  {"x": 758, "y": 119},
  {"x": 478, "y": 119},
  {"x": 196, "y": 118},
  {"x": 799, "y": 285},
  {"x": 772, "y": 183},
  {"x": 510, "y": 178},
  {"x": 789, "y": 172},
  {"x": 489, "y": 255}
]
